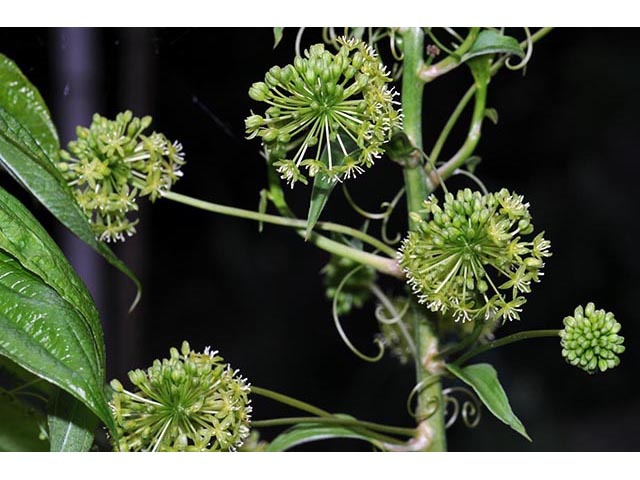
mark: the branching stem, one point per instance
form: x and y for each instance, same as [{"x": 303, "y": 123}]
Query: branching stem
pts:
[
  {"x": 516, "y": 337},
  {"x": 385, "y": 265}
]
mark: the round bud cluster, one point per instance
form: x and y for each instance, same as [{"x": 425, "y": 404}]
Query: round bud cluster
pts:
[
  {"x": 112, "y": 163},
  {"x": 590, "y": 339},
  {"x": 325, "y": 100},
  {"x": 355, "y": 291},
  {"x": 471, "y": 258},
  {"x": 188, "y": 402}
]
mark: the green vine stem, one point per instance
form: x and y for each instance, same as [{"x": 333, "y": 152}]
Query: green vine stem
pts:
[
  {"x": 446, "y": 170},
  {"x": 370, "y": 429},
  {"x": 428, "y": 73},
  {"x": 451, "y": 122},
  {"x": 432, "y": 427},
  {"x": 384, "y": 265},
  {"x": 516, "y": 337},
  {"x": 334, "y": 420},
  {"x": 473, "y": 137}
]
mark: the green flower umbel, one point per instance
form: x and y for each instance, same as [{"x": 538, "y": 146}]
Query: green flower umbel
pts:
[
  {"x": 189, "y": 402},
  {"x": 112, "y": 163},
  {"x": 471, "y": 257},
  {"x": 590, "y": 339},
  {"x": 325, "y": 99}
]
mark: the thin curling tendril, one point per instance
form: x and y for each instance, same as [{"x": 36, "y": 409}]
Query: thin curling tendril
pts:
[
  {"x": 471, "y": 408},
  {"x": 385, "y": 222},
  {"x": 361, "y": 211},
  {"x": 476, "y": 180},
  {"x": 523, "y": 63},
  {"x": 343, "y": 335},
  {"x": 423, "y": 385},
  {"x": 396, "y": 317}
]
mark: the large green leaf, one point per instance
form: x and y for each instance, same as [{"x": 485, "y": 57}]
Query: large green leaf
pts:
[
  {"x": 21, "y": 427},
  {"x": 491, "y": 42},
  {"x": 483, "y": 378},
  {"x": 305, "y": 433},
  {"x": 23, "y": 158},
  {"x": 71, "y": 424},
  {"x": 48, "y": 336},
  {"x": 23, "y": 238},
  {"x": 23, "y": 101},
  {"x": 323, "y": 186}
]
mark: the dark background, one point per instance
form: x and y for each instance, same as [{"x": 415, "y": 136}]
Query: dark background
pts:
[{"x": 567, "y": 139}]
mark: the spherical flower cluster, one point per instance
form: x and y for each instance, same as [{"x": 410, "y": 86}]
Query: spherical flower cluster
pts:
[
  {"x": 324, "y": 100},
  {"x": 189, "y": 402},
  {"x": 590, "y": 339},
  {"x": 470, "y": 258},
  {"x": 112, "y": 163}
]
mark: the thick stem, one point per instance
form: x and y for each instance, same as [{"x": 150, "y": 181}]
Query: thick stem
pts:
[
  {"x": 415, "y": 178},
  {"x": 432, "y": 423},
  {"x": 384, "y": 265}
]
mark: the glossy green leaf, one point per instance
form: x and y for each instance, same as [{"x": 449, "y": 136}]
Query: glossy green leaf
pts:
[
  {"x": 23, "y": 101},
  {"x": 23, "y": 238},
  {"x": 46, "y": 335},
  {"x": 490, "y": 42},
  {"x": 24, "y": 158},
  {"x": 323, "y": 186},
  {"x": 71, "y": 424},
  {"x": 277, "y": 35},
  {"x": 306, "y": 433},
  {"x": 21, "y": 428},
  {"x": 483, "y": 378}
]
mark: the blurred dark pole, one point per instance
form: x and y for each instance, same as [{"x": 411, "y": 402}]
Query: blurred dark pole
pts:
[
  {"x": 76, "y": 79},
  {"x": 134, "y": 92}
]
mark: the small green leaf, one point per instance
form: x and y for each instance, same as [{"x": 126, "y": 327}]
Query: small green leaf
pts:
[
  {"x": 483, "y": 378},
  {"x": 21, "y": 428},
  {"x": 323, "y": 186},
  {"x": 490, "y": 42},
  {"x": 310, "y": 432},
  {"x": 47, "y": 336},
  {"x": 357, "y": 32},
  {"x": 472, "y": 163},
  {"x": 23, "y": 101},
  {"x": 27, "y": 162},
  {"x": 399, "y": 147},
  {"x": 71, "y": 424},
  {"x": 277, "y": 35},
  {"x": 491, "y": 114}
]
